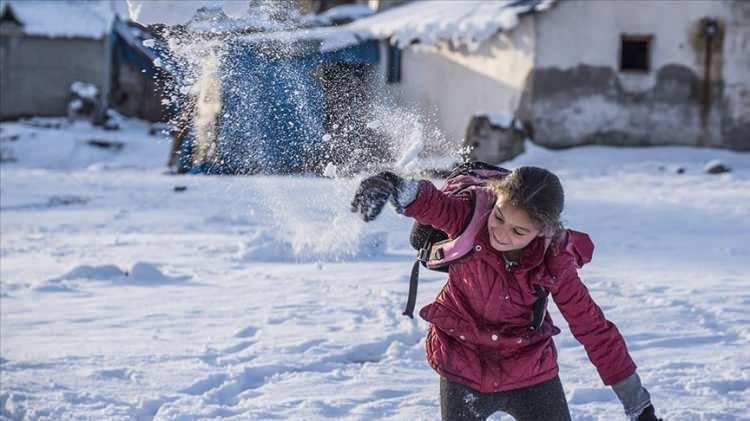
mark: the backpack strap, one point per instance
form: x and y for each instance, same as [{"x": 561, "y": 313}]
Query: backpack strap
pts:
[
  {"x": 438, "y": 256},
  {"x": 411, "y": 300},
  {"x": 446, "y": 252}
]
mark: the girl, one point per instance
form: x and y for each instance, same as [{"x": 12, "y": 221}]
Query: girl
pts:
[{"x": 479, "y": 340}]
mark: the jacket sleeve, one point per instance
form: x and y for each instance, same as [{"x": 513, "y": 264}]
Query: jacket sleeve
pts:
[
  {"x": 444, "y": 212},
  {"x": 601, "y": 339}
]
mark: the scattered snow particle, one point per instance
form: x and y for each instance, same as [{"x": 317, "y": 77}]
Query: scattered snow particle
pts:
[
  {"x": 411, "y": 154},
  {"x": 330, "y": 171}
]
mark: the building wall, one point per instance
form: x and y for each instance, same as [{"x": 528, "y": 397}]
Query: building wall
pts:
[
  {"x": 736, "y": 72},
  {"x": 138, "y": 94},
  {"x": 37, "y": 72},
  {"x": 450, "y": 85},
  {"x": 579, "y": 94}
]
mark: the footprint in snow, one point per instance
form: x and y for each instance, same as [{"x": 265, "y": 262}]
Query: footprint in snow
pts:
[
  {"x": 247, "y": 332},
  {"x": 204, "y": 385},
  {"x": 238, "y": 347}
]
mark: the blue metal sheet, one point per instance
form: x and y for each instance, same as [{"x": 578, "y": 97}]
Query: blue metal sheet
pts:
[{"x": 272, "y": 113}]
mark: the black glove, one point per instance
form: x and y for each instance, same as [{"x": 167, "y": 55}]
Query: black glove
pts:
[
  {"x": 374, "y": 192},
  {"x": 648, "y": 414}
]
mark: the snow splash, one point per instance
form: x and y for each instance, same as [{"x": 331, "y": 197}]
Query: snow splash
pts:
[
  {"x": 224, "y": 86},
  {"x": 207, "y": 91}
]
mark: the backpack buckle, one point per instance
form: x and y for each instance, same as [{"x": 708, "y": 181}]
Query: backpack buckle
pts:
[{"x": 423, "y": 255}]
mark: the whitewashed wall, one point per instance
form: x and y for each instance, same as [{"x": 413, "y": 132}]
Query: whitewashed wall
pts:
[
  {"x": 578, "y": 33},
  {"x": 450, "y": 85},
  {"x": 736, "y": 70}
]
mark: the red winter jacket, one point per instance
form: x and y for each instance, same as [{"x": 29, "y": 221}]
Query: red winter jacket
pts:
[{"x": 478, "y": 333}]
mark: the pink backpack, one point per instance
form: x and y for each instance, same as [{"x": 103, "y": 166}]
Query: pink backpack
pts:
[{"x": 437, "y": 252}]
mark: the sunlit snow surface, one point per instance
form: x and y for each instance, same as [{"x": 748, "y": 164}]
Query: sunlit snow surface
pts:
[{"x": 264, "y": 298}]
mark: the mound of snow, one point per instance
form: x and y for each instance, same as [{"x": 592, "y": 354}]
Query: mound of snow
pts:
[
  {"x": 140, "y": 273},
  {"x": 275, "y": 246},
  {"x": 101, "y": 273}
]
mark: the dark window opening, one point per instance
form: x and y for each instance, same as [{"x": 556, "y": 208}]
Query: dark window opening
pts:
[
  {"x": 635, "y": 53},
  {"x": 393, "y": 70}
]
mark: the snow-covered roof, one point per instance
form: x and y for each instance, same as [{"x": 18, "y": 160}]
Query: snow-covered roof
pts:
[
  {"x": 331, "y": 38},
  {"x": 461, "y": 22},
  {"x": 172, "y": 12},
  {"x": 344, "y": 13},
  {"x": 63, "y": 18}
]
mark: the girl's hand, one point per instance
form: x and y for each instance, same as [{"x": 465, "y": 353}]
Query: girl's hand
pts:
[{"x": 375, "y": 191}]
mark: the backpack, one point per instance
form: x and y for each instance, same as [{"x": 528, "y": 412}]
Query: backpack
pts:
[{"x": 436, "y": 251}]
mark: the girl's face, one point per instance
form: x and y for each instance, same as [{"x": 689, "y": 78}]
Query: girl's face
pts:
[{"x": 509, "y": 227}]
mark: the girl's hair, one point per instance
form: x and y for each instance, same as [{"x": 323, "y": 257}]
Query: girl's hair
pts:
[{"x": 537, "y": 192}]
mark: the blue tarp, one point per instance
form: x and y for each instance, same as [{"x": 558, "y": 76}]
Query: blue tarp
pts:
[{"x": 272, "y": 116}]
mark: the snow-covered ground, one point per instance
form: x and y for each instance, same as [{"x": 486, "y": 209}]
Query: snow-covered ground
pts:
[{"x": 264, "y": 298}]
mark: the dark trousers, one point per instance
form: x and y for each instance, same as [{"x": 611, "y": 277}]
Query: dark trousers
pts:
[{"x": 540, "y": 402}]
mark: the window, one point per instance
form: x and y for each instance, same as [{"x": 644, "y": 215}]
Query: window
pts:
[{"x": 635, "y": 53}]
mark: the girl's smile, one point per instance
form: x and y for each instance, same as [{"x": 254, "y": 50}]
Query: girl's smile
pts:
[{"x": 510, "y": 228}]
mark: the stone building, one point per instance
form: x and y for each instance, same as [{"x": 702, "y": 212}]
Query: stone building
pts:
[
  {"x": 575, "y": 72},
  {"x": 44, "y": 48}
]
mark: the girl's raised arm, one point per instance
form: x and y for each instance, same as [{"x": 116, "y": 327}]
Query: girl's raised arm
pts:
[{"x": 418, "y": 199}]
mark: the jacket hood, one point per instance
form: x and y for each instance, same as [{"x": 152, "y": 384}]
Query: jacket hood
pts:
[{"x": 578, "y": 245}]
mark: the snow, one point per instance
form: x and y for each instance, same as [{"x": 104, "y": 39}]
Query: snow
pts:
[
  {"x": 84, "y": 90},
  {"x": 466, "y": 23},
  {"x": 170, "y": 12},
  {"x": 215, "y": 16},
  {"x": 331, "y": 38},
  {"x": 330, "y": 170},
  {"x": 411, "y": 154},
  {"x": 344, "y": 12},
  {"x": 503, "y": 120},
  {"x": 86, "y": 19},
  {"x": 264, "y": 297},
  {"x": 347, "y": 11}
]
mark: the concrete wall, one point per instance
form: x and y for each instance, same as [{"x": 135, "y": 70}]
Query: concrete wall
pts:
[
  {"x": 580, "y": 96},
  {"x": 451, "y": 84},
  {"x": 736, "y": 72},
  {"x": 36, "y": 72}
]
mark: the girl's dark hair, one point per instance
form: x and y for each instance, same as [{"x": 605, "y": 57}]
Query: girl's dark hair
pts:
[{"x": 537, "y": 192}]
